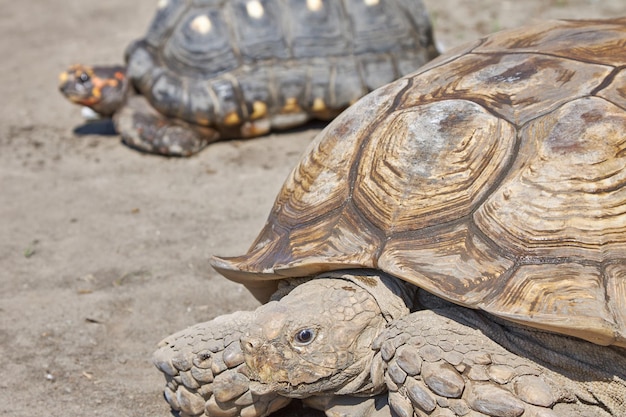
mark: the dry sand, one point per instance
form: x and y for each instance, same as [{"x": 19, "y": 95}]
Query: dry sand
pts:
[{"x": 103, "y": 250}]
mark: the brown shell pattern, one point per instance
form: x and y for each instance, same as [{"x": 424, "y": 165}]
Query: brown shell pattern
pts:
[{"x": 495, "y": 177}]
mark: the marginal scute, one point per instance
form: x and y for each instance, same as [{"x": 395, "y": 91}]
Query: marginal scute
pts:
[
  {"x": 616, "y": 294},
  {"x": 330, "y": 243},
  {"x": 566, "y": 298},
  {"x": 334, "y": 241}
]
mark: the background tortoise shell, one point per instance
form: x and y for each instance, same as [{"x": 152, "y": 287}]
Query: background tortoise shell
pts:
[
  {"x": 495, "y": 178},
  {"x": 277, "y": 62}
]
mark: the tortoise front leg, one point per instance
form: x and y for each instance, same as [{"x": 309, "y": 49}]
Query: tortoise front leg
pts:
[
  {"x": 205, "y": 371},
  {"x": 145, "y": 129},
  {"x": 446, "y": 363}
]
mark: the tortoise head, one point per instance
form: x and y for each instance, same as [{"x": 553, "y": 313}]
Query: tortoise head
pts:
[
  {"x": 315, "y": 339},
  {"x": 101, "y": 88},
  {"x": 318, "y": 337}
]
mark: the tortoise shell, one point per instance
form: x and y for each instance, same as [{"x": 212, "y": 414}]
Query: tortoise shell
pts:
[
  {"x": 495, "y": 178},
  {"x": 246, "y": 66}
]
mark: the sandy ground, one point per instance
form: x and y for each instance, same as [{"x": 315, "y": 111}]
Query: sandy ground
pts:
[{"x": 103, "y": 250}]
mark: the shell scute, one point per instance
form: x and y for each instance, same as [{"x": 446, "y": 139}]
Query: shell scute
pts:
[
  {"x": 322, "y": 35},
  {"x": 454, "y": 263},
  {"x": 333, "y": 242},
  {"x": 169, "y": 12},
  {"x": 516, "y": 87},
  {"x": 600, "y": 41},
  {"x": 200, "y": 44},
  {"x": 570, "y": 174},
  {"x": 616, "y": 294},
  {"x": 615, "y": 92},
  {"x": 313, "y": 202},
  {"x": 318, "y": 184},
  {"x": 565, "y": 298},
  {"x": 433, "y": 170},
  {"x": 259, "y": 33}
]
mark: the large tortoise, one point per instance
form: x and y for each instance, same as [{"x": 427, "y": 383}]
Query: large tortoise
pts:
[
  {"x": 454, "y": 244},
  {"x": 214, "y": 69}
]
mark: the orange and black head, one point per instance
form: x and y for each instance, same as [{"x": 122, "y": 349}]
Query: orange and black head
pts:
[{"x": 103, "y": 89}]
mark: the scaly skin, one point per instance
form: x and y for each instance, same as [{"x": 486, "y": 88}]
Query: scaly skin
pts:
[
  {"x": 315, "y": 340},
  {"x": 443, "y": 360},
  {"x": 206, "y": 374},
  {"x": 346, "y": 344},
  {"x": 205, "y": 371},
  {"x": 145, "y": 129}
]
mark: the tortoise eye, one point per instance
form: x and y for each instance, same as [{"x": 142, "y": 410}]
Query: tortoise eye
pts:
[
  {"x": 305, "y": 336},
  {"x": 84, "y": 77}
]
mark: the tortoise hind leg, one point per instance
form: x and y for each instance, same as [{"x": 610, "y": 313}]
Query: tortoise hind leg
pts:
[{"x": 145, "y": 129}]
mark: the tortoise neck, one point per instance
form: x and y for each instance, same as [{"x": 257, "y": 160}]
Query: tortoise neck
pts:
[{"x": 395, "y": 297}]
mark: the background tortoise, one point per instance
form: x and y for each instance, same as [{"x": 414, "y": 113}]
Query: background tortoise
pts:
[
  {"x": 495, "y": 180},
  {"x": 208, "y": 70}
]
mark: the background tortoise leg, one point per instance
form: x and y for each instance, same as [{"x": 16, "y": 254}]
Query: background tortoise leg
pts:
[
  {"x": 145, "y": 129},
  {"x": 435, "y": 365},
  {"x": 205, "y": 371}
]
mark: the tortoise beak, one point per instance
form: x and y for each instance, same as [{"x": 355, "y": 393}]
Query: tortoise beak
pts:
[{"x": 263, "y": 360}]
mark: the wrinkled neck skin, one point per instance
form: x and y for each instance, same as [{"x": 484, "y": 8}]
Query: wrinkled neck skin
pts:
[{"x": 316, "y": 340}]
